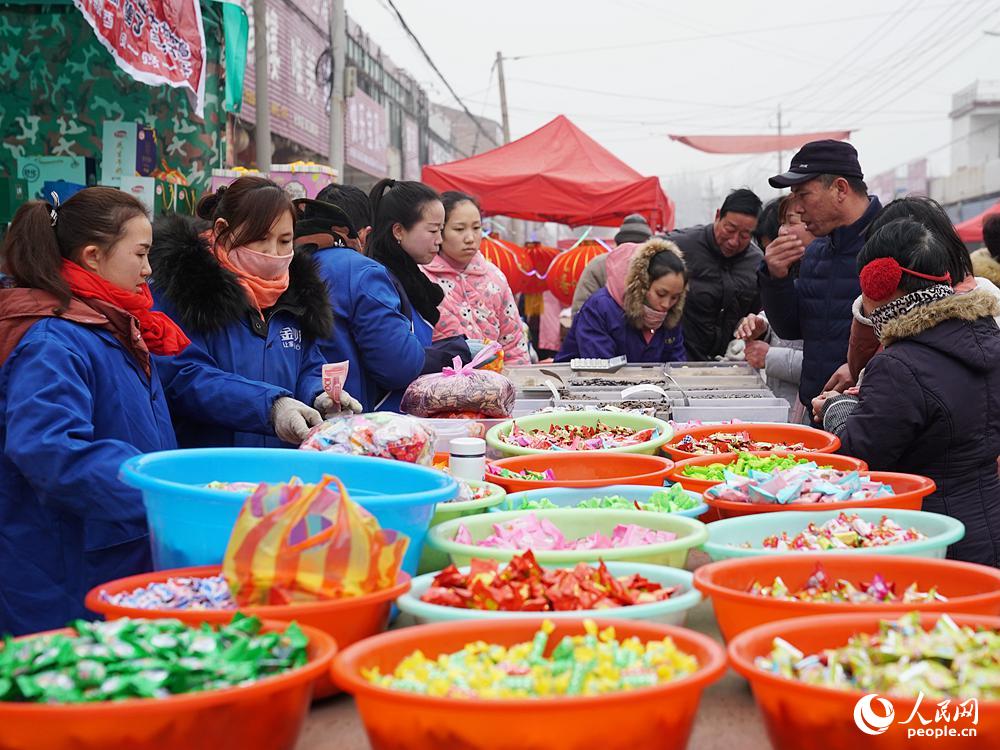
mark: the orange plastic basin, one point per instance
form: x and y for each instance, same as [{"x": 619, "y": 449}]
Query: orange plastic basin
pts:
[
  {"x": 972, "y": 589},
  {"x": 655, "y": 717},
  {"x": 590, "y": 469},
  {"x": 799, "y": 715},
  {"x": 910, "y": 492},
  {"x": 841, "y": 463},
  {"x": 345, "y": 620},
  {"x": 266, "y": 715},
  {"x": 813, "y": 440}
]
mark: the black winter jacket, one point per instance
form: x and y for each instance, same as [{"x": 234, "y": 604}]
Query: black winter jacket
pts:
[{"x": 930, "y": 405}]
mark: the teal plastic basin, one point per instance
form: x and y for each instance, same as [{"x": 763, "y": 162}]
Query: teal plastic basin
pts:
[{"x": 569, "y": 497}]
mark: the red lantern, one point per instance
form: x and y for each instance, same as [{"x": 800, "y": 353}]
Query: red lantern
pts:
[
  {"x": 509, "y": 258},
  {"x": 567, "y": 268},
  {"x": 541, "y": 258}
]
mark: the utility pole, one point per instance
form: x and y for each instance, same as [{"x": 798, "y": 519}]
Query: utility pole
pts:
[
  {"x": 505, "y": 118},
  {"x": 781, "y": 154},
  {"x": 338, "y": 56},
  {"x": 262, "y": 106}
]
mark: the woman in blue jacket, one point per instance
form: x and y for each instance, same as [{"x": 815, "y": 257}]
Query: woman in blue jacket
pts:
[
  {"x": 638, "y": 314},
  {"x": 78, "y": 396},
  {"x": 253, "y": 309}
]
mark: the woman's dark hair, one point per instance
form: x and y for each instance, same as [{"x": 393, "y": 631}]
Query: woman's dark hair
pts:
[
  {"x": 249, "y": 207},
  {"x": 928, "y": 213},
  {"x": 403, "y": 203},
  {"x": 991, "y": 235},
  {"x": 767, "y": 224},
  {"x": 664, "y": 262},
  {"x": 353, "y": 200},
  {"x": 451, "y": 198},
  {"x": 914, "y": 246},
  {"x": 34, "y": 247}
]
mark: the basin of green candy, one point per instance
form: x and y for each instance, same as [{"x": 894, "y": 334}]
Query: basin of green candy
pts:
[
  {"x": 674, "y": 499},
  {"x": 744, "y": 464}
]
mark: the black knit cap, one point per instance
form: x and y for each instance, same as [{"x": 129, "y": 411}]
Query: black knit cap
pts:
[{"x": 318, "y": 217}]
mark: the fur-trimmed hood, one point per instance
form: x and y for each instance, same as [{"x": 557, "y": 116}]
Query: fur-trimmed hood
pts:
[
  {"x": 637, "y": 283},
  {"x": 986, "y": 266},
  {"x": 940, "y": 325},
  {"x": 206, "y": 297}
]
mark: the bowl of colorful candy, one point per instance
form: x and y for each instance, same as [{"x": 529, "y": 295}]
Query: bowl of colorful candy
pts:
[
  {"x": 161, "y": 685},
  {"x": 472, "y": 498},
  {"x": 488, "y": 589},
  {"x": 539, "y": 684},
  {"x": 190, "y": 522},
  {"x": 750, "y": 592},
  {"x": 616, "y": 432},
  {"x": 570, "y": 470},
  {"x": 566, "y": 537},
  {"x": 806, "y": 487},
  {"x": 703, "y": 472},
  {"x": 860, "y": 531},
  {"x": 672, "y": 499},
  {"x": 919, "y": 680},
  {"x": 707, "y": 440},
  {"x": 197, "y": 595}
]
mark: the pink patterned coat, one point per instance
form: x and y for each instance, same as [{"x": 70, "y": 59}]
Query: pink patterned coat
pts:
[{"x": 479, "y": 304}]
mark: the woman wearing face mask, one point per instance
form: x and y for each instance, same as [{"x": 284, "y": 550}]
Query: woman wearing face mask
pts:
[
  {"x": 406, "y": 234},
  {"x": 78, "y": 396},
  {"x": 638, "y": 314},
  {"x": 478, "y": 301},
  {"x": 253, "y": 310}
]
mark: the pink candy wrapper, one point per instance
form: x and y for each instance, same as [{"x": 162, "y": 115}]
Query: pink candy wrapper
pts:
[{"x": 530, "y": 532}]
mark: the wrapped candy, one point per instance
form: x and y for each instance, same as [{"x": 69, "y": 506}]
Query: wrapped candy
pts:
[
  {"x": 744, "y": 464},
  {"x": 668, "y": 500},
  {"x": 529, "y": 532},
  {"x": 844, "y": 532},
  {"x": 731, "y": 442},
  {"x": 461, "y": 388},
  {"x": 821, "y": 588},
  {"x": 125, "y": 658},
  {"x": 802, "y": 483},
  {"x": 211, "y": 592},
  {"x": 380, "y": 434},
  {"x": 594, "y": 663},
  {"x": 572, "y": 437},
  {"x": 535, "y": 476},
  {"x": 524, "y": 586},
  {"x": 903, "y": 659}
]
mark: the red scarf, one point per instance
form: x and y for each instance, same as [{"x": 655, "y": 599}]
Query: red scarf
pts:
[{"x": 160, "y": 334}]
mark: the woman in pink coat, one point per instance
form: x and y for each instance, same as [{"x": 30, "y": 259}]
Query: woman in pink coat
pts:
[{"x": 478, "y": 302}]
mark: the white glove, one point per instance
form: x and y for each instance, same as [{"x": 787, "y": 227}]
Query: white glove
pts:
[
  {"x": 325, "y": 406},
  {"x": 292, "y": 419}
]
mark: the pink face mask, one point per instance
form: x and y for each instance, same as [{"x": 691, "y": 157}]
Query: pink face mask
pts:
[
  {"x": 261, "y": 265},
  {"x": 651, "y": 318}
]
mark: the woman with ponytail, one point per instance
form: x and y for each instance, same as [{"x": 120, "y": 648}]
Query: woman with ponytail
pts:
[
  {"x": 78, "y": 396},
  {"x": 253, "y": 309},
  {"x": 409, "y": 219}
]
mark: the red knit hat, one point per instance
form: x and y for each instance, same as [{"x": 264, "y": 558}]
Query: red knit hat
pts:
[{"x": 881, "y": 277}]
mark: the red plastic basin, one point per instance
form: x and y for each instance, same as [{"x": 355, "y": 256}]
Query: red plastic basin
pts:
[
  {"x": 655, "y": 717},
  {"x": 345, "y": 620},
  {"x": 841, "y": 463},
  {"x": 265, "y": 715},
  {"x": 813, "y": 440},
  {"x": 970, "y": 588},
  {"x": 910, "y": 492},
  {"x": 798, "y": 715},
  {"x": 590, "y": 469}
]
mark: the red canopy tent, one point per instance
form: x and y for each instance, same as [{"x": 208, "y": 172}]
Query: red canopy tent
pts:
[
  {"x": 557, "y": 173},
  {"x": 971, "y": 230}
]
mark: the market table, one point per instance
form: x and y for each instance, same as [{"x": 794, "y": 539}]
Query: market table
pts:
[{"x": 727, "y": 716}]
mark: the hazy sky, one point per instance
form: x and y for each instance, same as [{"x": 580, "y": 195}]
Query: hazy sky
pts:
[{"x": 629, "y": 73}]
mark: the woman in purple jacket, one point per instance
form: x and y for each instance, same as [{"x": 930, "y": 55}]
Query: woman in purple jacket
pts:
[{"x": 638, "y": 314}]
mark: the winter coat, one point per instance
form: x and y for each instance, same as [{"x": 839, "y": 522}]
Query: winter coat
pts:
[
  {"x": 605, "y": 329},
  {"x": 930, "y": 405},
  {"x": 478, "y": 304},
  {"x": 222, "y": 387},
  {"x": 985, "y": 265},
  {"x": 721, "y": 291},
  {"x": 594, "y": 276},
  {"x": 816, "y": 307},
  {"x": 75, "y": 403}
]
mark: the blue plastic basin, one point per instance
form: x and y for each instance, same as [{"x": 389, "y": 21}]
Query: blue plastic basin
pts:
[
  {"x": 568, "y": 497},
  {"x": 190, "y": 524}
]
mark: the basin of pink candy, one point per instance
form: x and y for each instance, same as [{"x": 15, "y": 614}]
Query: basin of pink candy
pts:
[{"x": 530, "y": 532}]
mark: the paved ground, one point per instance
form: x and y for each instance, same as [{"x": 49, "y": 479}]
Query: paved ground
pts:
[{"x": 727, "y": 718}]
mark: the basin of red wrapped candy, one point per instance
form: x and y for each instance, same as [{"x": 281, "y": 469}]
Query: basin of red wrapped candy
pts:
[{"x": 748, "y": 438}]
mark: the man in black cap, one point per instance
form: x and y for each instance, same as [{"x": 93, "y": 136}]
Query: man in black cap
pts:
[{"x": 830, "y": 194}]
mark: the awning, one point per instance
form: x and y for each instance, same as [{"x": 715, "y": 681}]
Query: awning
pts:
[{"x": 756, "y": 144}]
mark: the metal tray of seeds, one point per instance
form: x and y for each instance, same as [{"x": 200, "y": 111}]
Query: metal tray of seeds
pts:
[
  {"x": 708, "y": 369},
  {"x": 722, "y": 397},
  {"x": 716, "y": 384},
  {"x": 750, "y": 410}
]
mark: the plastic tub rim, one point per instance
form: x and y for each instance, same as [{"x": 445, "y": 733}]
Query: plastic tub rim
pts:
[
  {"x": 353, "y": 684},
  {"x": 496, "y": 496},
  {"x": 833, "y": 445},
  {"x": 620, "y": 489},
  {"x": 407, "y": 601}
]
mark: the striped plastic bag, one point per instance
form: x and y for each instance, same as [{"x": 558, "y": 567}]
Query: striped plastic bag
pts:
[{"x": 302, "y": 543}]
